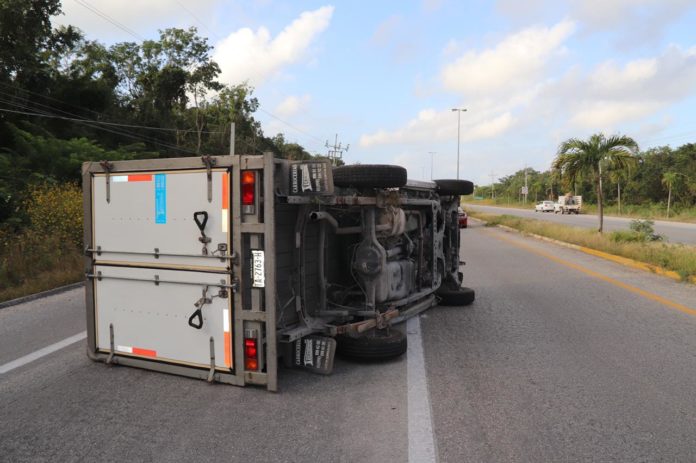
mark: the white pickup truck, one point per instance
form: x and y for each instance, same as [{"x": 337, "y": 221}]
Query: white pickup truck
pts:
[{"x": 568, "y": 204}]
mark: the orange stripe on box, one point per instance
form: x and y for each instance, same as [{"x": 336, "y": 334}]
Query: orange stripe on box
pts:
[
  {"x": 140, "y": 178},
  {"x": 225, "y": 191},
  {"x": 144, "y": 352},
  {"x": 228, "y": 349}
]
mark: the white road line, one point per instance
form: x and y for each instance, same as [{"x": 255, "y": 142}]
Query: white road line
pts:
[
  {"x": 42, "y": 352},
  {"x": 421, "y": 442}
]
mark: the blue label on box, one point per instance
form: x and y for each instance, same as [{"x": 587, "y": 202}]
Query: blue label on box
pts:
[{"x": 160, "y": 198}]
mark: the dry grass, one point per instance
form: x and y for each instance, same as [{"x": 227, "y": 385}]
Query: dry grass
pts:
[{"x": 676, "y": 257}]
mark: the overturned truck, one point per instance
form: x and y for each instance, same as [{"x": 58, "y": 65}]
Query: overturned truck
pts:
[{"x": 220, "y": 267}]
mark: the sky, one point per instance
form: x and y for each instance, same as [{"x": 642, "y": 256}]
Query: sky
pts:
[{"x": 384, "y": 76}]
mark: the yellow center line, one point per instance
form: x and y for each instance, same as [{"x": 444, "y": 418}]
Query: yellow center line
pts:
[{"x": 592, "y": 273}]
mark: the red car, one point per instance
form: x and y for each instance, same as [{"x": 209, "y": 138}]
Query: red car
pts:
[{"x": 463, "y": 218}]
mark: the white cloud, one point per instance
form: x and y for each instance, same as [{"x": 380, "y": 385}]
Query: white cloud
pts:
[
  {"x": 604, "y": 115},
  {"x": 292, "y": 105},
  {"x": 634, "y": 22},
  {"x": 512, "y": 64},
  {"x": 387, "y": 30},
  {"x": 432, "y": 125},
  {"x": 613, "y": 94},
  {"x": 143, "y": 18},
  {"x": 251, "y": 56}
]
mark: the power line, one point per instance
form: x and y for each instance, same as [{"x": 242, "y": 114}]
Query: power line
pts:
[
  {"x": 110, "y": 19},
  {"x": 291, "y": 126},
  {"x": 116, "y": 132},
  {"x": 116, "y": 124},
  {"x": 91, "y": 124},
  {"x": 52, "y": 116},
  {"x": 198, "y": 20}
]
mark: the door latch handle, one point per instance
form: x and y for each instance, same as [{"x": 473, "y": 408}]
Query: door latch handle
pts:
[{"x": 201, "y": 219}]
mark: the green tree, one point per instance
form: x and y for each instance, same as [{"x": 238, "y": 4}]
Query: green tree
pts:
[
  {"x": 590, "y": 157},
  {"x": 668, "y": 180}
]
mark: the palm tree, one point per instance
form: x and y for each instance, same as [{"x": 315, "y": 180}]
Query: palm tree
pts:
[
  {"x": 576, "y": 157},
  {"x": 668, "y": 180}
]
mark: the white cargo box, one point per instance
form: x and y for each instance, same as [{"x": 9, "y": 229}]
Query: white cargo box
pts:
[{"x": 166, "y": 290}]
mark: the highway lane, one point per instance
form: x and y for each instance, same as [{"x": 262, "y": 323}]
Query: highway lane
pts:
[
  {"x": 550, "y": 364},
  {"x": 555, "y": 362},
  {"x": 64, "y": 407},
  {"x": 675, "y": 232}
]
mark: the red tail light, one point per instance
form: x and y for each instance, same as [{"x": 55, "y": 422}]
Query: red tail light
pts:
[
  {"x": 248, "y": 187},
  {"x": 251, "y": 361}
]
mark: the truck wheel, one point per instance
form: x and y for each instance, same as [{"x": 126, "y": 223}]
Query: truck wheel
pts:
[
  {"x": 454, "y": 187},
  {"x": 375, "y": 345},
  {"x": 461, "y": 296},
  {"x": 370, "y": 176}
]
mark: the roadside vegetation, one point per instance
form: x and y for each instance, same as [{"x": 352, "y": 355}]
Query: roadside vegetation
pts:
[
  {"x": 661, "y": 185},
  {"x": 639, "y": 243},
  {"x": 46, "y": 253},
  {"x": 66, "y": 99},
  {"x": 633, "y": 211}
]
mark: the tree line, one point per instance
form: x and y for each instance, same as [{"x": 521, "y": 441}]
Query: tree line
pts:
[
  {"x": 658, "y": 176},
  {"x": 65, "y": 99}
]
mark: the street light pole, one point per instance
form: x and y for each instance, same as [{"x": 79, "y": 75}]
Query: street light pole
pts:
[
  {"x": 432, "y": 156},
  {"x": 459, "y": 125}
]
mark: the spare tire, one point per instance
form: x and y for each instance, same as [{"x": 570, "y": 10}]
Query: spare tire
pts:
[
  {"x": 461, "y": 296},
  {"x": 370, "y": 176},
  {"x": 455, "y": 187},
  {"x": 374, "y": 345}
]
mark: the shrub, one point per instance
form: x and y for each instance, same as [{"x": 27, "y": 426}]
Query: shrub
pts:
[
  {"x": 644, "y": 231},
  {"x": 56, "y": 210}
]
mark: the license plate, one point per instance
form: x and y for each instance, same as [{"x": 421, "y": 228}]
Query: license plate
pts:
[{"x": 258, "y": 269}]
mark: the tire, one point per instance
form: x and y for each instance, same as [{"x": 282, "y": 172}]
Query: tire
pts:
[
  {"x": 370, "y": 176},
  {"x": 375, "y": 345},
  {"x": 461, "y": 296},
  {"x": 454, "y": 187}
]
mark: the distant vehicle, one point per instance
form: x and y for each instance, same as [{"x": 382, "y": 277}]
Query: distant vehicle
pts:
[
  {"x": 544, "y": 206},
  {"x": 463, "y": 218},
  {"x": 568, "y": 204}
]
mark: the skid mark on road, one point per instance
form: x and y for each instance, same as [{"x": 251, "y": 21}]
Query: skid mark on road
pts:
[
  {"x": 592, "y": 273},
  {"x": 41, "y": 352},
  {"x": 421, "y": 443}
]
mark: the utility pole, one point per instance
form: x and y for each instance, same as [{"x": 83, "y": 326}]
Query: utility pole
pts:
[
  {"x": 492, "y": 185},
  {"x": 459, "y": 126},
  {"x": 432, "y": 157},
  {"x": 526, "y": 188},
  {"x": 336, "y": 150}
]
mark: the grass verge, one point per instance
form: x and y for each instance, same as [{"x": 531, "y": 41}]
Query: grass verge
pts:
[
  {"x": 653, "y": 211},
  {"x": 674, "y": 257}
]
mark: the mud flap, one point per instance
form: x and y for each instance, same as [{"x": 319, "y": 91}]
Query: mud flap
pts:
[{"x": 315, "y": 353}]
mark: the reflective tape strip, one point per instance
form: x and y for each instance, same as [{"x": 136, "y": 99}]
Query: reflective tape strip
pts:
[
  {"x": 225, "y": 219},
  {"x": 144, "y": 352},
  {"x": 137, "y": 351},
  {"x": 131, "y": 178},
  {"x": 227, "y": 336},
  {"x": 225, "y": 191},
  {"x": 226, "y": 320},
  {"x": 140, "y": 178},
  {"x": 225, "y": 201},
  {"x": 228, "y": 349}
]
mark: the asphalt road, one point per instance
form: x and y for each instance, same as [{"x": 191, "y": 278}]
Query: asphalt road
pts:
[
  {"x": 674, "y": 232},
  {"x": 563, "y": 357}
]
